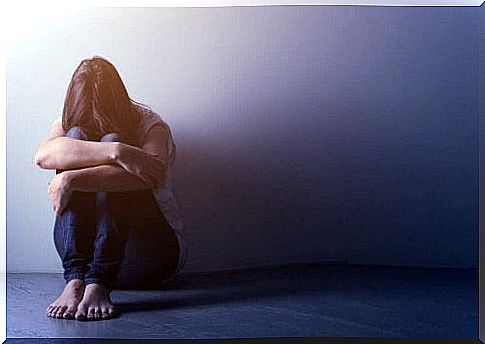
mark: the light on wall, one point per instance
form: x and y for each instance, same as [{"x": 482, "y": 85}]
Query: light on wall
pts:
[{"x": 24, "y": 18}]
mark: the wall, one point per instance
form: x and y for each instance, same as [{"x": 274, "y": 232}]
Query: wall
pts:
[
  {"x": 481, "y": 243},
  {"x": 327, "y": 133}
]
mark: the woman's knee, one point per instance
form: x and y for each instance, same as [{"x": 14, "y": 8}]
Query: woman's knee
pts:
[
  {"x": 77, "y": 133},
  {"x": 112, "y": 137}
]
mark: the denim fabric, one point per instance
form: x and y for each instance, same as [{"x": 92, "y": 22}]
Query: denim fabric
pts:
[{"x": 118, "y": 239}]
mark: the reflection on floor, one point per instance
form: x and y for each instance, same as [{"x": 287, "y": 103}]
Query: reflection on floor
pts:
[{"x": 298, "y": 300}]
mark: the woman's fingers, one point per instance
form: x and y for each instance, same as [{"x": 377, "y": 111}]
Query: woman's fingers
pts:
[{"x": 151, "y": 170}]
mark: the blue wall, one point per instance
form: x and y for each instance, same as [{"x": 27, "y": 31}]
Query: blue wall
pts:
[
  {"x": 304, "y": 133},
  {"x": 360, "y": 145}
]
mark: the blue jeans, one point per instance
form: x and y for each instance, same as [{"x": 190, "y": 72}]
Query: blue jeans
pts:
[{"x": 118, "y": 239}]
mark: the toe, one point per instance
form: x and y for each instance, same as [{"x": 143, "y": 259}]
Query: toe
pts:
[
  {"x": 98, "y": 314},
  {"x": 111, "y": 312},
  {"x": 90, "y": 314},
  {"x": 105, "y": 313},
  {"x": 80, "y": 316},
  {"x": 53, "y": 311},
  {"x": 69, "y": 313},
  {"x": 81, "y": 313},
  {"x": 60, "y": 311},
  {"x": 48, "y": 309}
]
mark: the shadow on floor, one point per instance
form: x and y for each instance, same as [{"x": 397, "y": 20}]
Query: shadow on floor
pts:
[
  {"x": 291, "y": 300},
  {"x": 280, "y": 281}
]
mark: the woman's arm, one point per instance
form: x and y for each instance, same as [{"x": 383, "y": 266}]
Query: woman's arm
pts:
[
  {"x": 60, "y": 152},
  {"x": 127, "y": 173},
  {"x": 67, "y": 153},
  {"x": 103, "y": 178},
  {"x": 124, "y": 176}
]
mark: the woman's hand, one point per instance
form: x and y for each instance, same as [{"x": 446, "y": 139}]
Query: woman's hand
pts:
[
  {"x": 59, "y": 191},
  {"x": 140, "y": 163}
]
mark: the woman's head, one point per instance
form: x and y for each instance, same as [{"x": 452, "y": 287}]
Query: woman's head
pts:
[{"x": 98, "y": 102}]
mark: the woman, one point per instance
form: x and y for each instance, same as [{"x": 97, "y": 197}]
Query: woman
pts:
[{"x": 117, "y": 223}]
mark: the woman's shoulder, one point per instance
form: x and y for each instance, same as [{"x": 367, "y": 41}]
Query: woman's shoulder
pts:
[
  {"x": 150, "y": 118},
  {"x": 147, "y": 114}
]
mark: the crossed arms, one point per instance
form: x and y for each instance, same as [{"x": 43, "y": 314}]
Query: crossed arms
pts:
[{"x": 101, "y": 166}]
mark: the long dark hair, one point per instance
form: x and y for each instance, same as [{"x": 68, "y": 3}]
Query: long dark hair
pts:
[{"x": 97, "y": 101}]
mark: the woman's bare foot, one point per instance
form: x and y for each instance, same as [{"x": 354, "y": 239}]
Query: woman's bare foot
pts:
[
  {"x": 65, "y": 305},
  {"x": 96, "y": 304}
]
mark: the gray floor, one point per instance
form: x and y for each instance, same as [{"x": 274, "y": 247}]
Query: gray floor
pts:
[{"x": 299, "y": 300}]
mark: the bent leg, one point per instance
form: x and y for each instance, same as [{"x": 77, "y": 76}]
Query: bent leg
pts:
[
  {"x": 74, "y": 229},
  {"x": 112, "y": 212},
  {"x": 73, "y": 235},
  {"x": 152, "y": 251},
  {"x": 135, "y": 246},
  {"x": 113, "y": 221}
]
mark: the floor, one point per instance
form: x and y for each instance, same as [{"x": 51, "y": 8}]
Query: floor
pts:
[{"x": 297, "y": 300}]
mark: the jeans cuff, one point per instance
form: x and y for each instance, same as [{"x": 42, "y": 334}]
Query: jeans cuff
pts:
[
  {"x": 72, "y": 276},
  {"x": 90, "y": 280}
]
